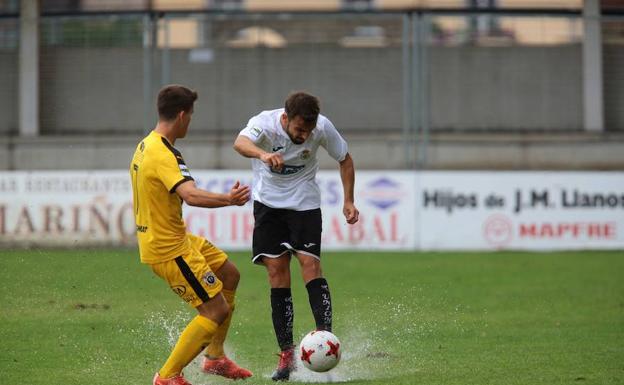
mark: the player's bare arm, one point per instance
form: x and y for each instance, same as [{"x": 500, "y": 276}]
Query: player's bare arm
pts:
[
  {"x": 244, "y": 146},
  {"x": 194, "y": 196},
  {"x": 347, "y": 175}
]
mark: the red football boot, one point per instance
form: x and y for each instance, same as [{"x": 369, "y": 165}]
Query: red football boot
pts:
[
  {"x": 225, "y": 367},
  {"x": 285, "y": 366},
  {"x": 177, "y": 380}
]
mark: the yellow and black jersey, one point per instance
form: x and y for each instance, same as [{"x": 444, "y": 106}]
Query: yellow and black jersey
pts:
[{"x": 157, "y": 169}]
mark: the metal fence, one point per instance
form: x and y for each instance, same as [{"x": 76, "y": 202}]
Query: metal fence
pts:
[{"x": 403, "y": 73}]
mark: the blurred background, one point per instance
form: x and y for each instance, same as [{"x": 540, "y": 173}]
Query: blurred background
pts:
[
  {"x": 438, "y": 84},
  {"x": 502, "y": 120}
]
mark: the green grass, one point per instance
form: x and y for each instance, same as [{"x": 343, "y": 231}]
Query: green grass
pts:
[{"x": 100, "y": 317}]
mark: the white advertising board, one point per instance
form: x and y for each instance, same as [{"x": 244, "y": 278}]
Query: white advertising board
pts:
[
  {"x": 400, "y": 210},
  {"x": 66, "y": 208},
  {"x": 386, "y": 220},
  {"x": 521, "y": 210},
  {"x": 72, "y": 208}
]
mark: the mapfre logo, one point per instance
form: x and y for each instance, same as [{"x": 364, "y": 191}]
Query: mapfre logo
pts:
[{"x": 383, "y": 193}]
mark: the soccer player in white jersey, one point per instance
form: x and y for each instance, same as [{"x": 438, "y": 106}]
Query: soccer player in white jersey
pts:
[{"x": 283, "y": 144}]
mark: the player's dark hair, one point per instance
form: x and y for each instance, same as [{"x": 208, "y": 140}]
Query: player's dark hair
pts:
[
  {"x": 302, "y": 104},
  {"x": 175, "y": 98}
]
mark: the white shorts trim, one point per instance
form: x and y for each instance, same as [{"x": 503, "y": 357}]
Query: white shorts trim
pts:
[
  {"x": 293, "y": 250},
  {"x": 307, "y": 253},
  {"x": 258, "y": 258}
]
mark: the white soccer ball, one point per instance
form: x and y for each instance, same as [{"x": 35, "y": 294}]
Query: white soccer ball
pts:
[{"x": 320, "y": 350}]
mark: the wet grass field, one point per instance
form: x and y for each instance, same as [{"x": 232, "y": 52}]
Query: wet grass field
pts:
[{"x": 99, "y": 317}]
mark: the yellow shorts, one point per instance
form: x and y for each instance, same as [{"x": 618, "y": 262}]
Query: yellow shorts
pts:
[{"x": 192, "y": 276}]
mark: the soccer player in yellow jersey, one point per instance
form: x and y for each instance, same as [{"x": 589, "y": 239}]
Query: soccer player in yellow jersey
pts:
[{"x": 194, "y": 269}]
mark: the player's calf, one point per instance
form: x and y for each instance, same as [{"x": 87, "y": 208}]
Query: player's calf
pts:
[{"x": 320, "y": 302}]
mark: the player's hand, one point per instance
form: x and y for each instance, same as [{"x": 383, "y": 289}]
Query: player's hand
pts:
[
  {"x": 239, "y": 195},
  {"x": 351, "y": 213},
  {"x": 274, "y": 160}
]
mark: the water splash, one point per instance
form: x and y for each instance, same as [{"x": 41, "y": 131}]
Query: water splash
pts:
[{"x": 376, "y": 345}]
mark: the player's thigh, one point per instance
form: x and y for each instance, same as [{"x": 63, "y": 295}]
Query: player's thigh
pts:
[
  {"x": 281, "y": 262},
  {"x": 190, "y": 277},
  {"x": 228, "y": 274},
  {"x": 310, "y": 266},
  {"x": 278, "y": 270}
]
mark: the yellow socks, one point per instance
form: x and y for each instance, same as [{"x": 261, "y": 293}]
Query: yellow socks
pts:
[
  {"x": 215, "y": 349},
  {"x": 197, "y": 334}
]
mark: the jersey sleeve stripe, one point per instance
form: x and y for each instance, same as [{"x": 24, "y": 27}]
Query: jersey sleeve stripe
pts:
[
  {"x": 191, "y": 279},
  {"x": 175, "y": 186},
  {"x": 170, "y": 147},
  {"x": 177, "y": 154}
]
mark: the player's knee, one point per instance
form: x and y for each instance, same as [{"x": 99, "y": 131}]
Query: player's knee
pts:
[
  {"x": 310, "y": 266},
  {"x": 279, "y": 274},
  {"x": 216, "y": 309},
  {"x": 222, "y": 311},
  {"x": 234, "y": 277},
  {"x": 229, "y": 275},
  {"x": 231, "y": 278},
  {"x": 278, "y": 271}
]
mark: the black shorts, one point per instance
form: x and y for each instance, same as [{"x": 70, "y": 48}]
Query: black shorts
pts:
[{"x": 280, "y": 230}]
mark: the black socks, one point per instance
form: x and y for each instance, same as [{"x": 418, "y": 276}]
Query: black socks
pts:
[
  {"x": 283, "y": 315},
  {"x": 283, "y": 312},
  {"x": 320, "y": 302}
]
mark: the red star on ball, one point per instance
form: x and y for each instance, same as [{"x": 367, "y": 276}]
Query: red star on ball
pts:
[
  {"x": 305, "y": 355},
  {"x": 333, "y": 349}
]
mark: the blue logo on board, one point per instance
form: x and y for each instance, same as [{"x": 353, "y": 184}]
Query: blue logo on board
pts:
[{"x": 383, "y": 193}]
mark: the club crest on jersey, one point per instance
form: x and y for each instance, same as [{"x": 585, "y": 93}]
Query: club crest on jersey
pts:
[
  {"x": 209, "y": 278},
  {"x": 305, "y": 154}
]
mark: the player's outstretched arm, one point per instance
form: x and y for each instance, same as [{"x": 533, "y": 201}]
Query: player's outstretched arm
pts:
[
  {"x": 193, "y": 196},
  {"x": 244, "y": 146},
  {"x": 347, "y": 175}
]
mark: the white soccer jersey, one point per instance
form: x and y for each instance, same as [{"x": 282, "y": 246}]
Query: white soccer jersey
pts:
[{"x": 294, "y": 187}]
